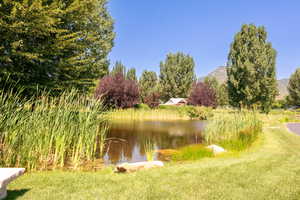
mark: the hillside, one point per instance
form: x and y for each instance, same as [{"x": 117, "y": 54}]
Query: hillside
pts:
[{"x": 221, "y": 76}]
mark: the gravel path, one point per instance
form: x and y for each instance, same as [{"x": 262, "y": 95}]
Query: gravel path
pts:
[{"x": 294, "y": 127}]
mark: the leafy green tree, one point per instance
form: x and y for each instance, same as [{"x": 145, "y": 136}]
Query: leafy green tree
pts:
[
  {"x": 54, "y": 44},
  {"x": 294, "y": 89},
  {"x": 251, "y": 69},
  {"x": 131, "y": 74},
  {"x": 222, "y": 95},
  {"x": 118, "y": 68},
  {"x": 220, "y": 90},
  {"x": 148, "y": 84},
  {"x": 176, "y": 76}
]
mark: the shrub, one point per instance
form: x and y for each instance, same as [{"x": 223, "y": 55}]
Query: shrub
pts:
[
  {"x": 202, "y": 95},
  {"x": 152, "y": 100},
  {"x": 117, "y": 92},
  {"x": 201, "y": 113},
  {"x": 142, "y": 106}
]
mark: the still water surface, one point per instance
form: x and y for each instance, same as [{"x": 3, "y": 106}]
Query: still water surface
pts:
[{"x": 126, "y": 140}]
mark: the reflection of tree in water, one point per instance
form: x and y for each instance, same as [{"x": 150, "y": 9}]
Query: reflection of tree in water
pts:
[{"x": 125, "y": 138}]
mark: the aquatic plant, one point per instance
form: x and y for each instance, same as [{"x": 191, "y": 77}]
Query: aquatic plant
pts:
[
  {"x": 149, "y": 150},
  {"x": 192, "y": 152},
  {"x": 50, "y": 132},
  {"x": 163, "y": 112},
  {"x": 235, "y": 130}
]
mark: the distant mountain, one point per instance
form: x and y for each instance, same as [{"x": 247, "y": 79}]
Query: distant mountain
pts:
[{"x": 221, "y": 75}]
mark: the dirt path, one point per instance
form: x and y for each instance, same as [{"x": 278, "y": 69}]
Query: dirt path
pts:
[{"x": 294, "y": 127}]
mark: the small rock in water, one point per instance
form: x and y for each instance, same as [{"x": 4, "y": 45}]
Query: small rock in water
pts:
[
  {"x": 216, "y": 149},
  {"x": 132, "y": 167}
]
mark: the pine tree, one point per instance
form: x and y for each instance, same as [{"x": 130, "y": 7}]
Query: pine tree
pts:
[
  {"x": 251, "y": 69},
  {"x": 176, "y": 76},
  {"x": 54, "y": 44},
  {"x": 131, "y": 74},
  {"x": 148, "y": 84},
  {"x": 294, "y": 89}
]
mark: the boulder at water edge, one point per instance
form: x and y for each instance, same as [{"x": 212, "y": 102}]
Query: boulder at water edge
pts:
[
  {"x": 132, "y": 167},
  {"x": 216, "y": 149}
]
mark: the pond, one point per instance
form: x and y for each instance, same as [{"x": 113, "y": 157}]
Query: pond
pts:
[{"x": 127, "y": 139}]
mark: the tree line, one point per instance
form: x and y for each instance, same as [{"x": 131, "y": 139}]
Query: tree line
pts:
[{"x": 55, "y": 45}]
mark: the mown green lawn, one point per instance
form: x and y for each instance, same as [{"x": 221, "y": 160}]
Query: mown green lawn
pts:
[{"x": 270, "y": 170}]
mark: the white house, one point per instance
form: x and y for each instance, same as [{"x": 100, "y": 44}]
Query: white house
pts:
[{"x": 176, "y": 102}]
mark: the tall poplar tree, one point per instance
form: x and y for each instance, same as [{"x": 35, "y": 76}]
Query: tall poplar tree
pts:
[
  {"x": 53, "y": 43},
  {"x": 118, "y": 68},
  {"x": 251, "y": 69},
  {"x": 148, "y": 84},
  {"x": 131, "y": 74},
  {"x": 294, "y": 88},
  {"x": 176, "y": 76}
]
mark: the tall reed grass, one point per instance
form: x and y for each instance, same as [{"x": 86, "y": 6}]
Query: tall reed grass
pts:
[
  {"x": 235, "y": 131},
  {"x": 163, "y": 112},
  {"x": 50, "y": 132},
  {"x": 154, "y": 114}
]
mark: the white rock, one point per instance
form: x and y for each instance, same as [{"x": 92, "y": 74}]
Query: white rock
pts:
[
  {"x": 131, "y": 167},
  {"x": 6, "y": 176},
  {"x": 216, "y": 149}
]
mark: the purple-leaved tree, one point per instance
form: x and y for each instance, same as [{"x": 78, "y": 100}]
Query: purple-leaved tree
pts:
[
  {"x": 202, "y": 95},
  {"x": 117, "y": 92}
]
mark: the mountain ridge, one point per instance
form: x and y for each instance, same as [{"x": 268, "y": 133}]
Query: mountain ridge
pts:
[{"x": 221, "y": 75}]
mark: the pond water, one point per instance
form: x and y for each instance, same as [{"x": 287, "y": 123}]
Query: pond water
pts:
[{"x": 126, "y": 140}]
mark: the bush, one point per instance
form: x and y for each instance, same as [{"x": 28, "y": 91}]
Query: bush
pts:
[
  {"x": 152, "y": 100},
  {"x": 117, "y": 92},
  {"x": 142, "y": 106},
  {"x": 202, "y": 95},
  {"x": 201, "y": 113}
]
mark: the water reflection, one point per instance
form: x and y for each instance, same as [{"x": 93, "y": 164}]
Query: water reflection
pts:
[{"x": 126, "y": 140}]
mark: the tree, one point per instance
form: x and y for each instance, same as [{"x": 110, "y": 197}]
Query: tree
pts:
[
  {"x": 148, "y": 84},
  {"x": 294, "y": 88},
  {"x": 251, "y": 69},
  {"x": 220, "y": 90},
  {"x": 176, "y": 76},
  {"x": 118, "y": 68},
  {"x": 131, "y": 74},
  {"x": 117, "y": 92},
  {"x": 202, "y": 95},
  {"x": 54, "y": 44}
]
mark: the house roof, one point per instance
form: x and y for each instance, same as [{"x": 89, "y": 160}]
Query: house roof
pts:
[{"x": 175, "y": 101}]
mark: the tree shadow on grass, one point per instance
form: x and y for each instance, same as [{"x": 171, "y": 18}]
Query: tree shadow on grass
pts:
[{"x": 15, "y": 194}]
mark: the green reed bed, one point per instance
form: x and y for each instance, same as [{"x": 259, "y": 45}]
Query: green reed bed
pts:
[
  {"x": 50, "y": 132},
  {"x": 154, "y": 114},
  {"x": 163, "y": 112},
  {"x": 234, "y": 131}
]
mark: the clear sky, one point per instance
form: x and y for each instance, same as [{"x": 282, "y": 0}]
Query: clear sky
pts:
[{"x": 146, "y": 30}]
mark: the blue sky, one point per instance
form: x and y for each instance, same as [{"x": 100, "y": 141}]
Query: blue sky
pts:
[{"x": 146, "y": 30}]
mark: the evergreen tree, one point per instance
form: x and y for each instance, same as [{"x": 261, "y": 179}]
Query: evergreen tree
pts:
[
  {"x": 131, "y": 74},
  {"x": 54, "y": 44},
  {"x": 148, "y": 84},
  {"x": 251, "y": 69},
  {"x": 176, "y": 76},
  {"x": 294, "y": 89},
  {"x": 118, "y": 68}
]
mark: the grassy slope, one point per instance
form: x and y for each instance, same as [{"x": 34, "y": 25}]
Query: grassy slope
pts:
[{"x": 270, "y": 171}]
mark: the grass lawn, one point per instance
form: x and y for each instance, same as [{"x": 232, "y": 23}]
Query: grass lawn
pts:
[{"x": 269, "y": 170}]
